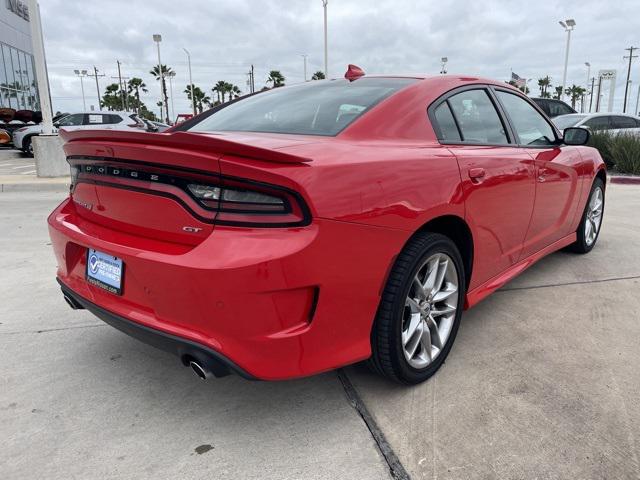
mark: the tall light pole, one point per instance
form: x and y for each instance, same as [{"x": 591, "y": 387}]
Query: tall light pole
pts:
[
  {"x": 193, "y": 99},
  {"x": 82, "y": 74},
  {"x": 626, "y": 88},
  {"x": 588, "y": 65},
  {"x": 326, "y": 54},
  {"x": 304, "y": 57},
  {"x": 163, "y": 94},
  {"x": 171, "y": 75},
  {"x": 443, "y": 69},
  {"x": 637, "y": 102},
  {"x": 568, "y": 26}
]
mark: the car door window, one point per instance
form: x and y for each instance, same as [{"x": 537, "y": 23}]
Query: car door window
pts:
[
  {"x": 622, "y": 122},
  {"x": 530, "y": 126},
  {"x": 71, "y": 120},
  {"x": 446, "y": 124},
  {"x": 112, "y": 119},
  {"x": 598, "y": 123},
  {"x": 478, "y": 118},
  {"x": 558, "y": 108}
]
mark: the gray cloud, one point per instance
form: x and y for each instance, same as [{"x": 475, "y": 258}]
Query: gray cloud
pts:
[{"x": 225, "y": 37}]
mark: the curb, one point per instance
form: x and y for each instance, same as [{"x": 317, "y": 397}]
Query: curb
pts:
[
  {"x": 34, "y": 187},
  {"x": 625, "y": 180}
]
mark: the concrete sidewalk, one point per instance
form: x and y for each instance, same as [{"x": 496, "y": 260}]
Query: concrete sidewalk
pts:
[
  {"x": 18, "y": 174},
  {"x": 543, "y": 380},
  {"x": 79, "y": 399}
]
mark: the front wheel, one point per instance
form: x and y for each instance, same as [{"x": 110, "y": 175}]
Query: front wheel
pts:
[
  {"x": 591, "y": 222},
  {"x": 420, "y": 310}
]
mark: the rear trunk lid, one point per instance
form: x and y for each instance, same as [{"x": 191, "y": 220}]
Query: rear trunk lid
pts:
[{"x": 137, "y": 182}]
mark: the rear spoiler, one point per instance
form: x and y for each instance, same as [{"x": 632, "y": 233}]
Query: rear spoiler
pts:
[{"x": 198, "y": 141}]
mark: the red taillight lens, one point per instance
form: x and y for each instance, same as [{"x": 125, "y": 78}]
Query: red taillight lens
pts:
[
  {"x": 245, "y": 203},
  {"x": 211, "y": 198}
]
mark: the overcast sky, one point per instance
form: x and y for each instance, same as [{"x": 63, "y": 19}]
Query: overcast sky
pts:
[{"x": 479, "y": 37}]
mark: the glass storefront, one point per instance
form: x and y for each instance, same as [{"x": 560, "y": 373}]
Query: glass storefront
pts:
[{"x": 17, "y": 80}]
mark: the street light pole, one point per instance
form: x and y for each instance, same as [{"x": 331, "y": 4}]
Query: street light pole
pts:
[
  {"x": 637, "y": 101},
  {"x": 304, "y": 56},
  {"x": 568, "y": 26},
  {"x": 171, "y": 75},
  {"x": 326, "y": 55},
  {"x": 95, "y": 75},
  {"x": 163, "y": 94},
  {"x": 626, "y": 87},
  {"x": 81, "y": 75},
  {"x": 193, "y": 99},
  {"x": 588, "y": 65}
]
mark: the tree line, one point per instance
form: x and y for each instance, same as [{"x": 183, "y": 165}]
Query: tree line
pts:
[{"x": 117, "y": 95}]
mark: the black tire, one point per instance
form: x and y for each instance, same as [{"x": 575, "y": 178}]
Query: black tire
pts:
[
  {"x": 581, "y": 245},
  {"x": 27, "y": 146},
  {"x": 387, "y": 357}
]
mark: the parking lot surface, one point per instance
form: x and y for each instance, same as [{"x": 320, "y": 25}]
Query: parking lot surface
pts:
[{"x": 542, "y": 382}]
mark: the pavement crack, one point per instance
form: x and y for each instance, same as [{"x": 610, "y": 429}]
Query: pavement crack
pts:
[
  {"x": 581, "y": 282},
  {"x": 47, "y": 330},
  {"x": 396, "y": 468}
]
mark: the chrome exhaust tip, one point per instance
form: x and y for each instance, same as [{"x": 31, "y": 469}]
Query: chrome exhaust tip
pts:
[
  {"x": 72, "y": 303},
  {"x": 199, "y": 370}
]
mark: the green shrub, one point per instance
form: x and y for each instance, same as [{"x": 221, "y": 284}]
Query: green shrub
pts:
[
  {"x": 602, "y": 140},
  {"x": 625, "y": 153}
]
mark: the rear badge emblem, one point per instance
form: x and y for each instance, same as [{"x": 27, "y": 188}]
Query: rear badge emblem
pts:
[
  {"x": 192, "y": 229},
  {"x": 88, "y": 206}
]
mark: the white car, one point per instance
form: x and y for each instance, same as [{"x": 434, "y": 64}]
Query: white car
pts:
[
  {"x": 79, "y": 121},
  {"x": 613, "y": 122}
]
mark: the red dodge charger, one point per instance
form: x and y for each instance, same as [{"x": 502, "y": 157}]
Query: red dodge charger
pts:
[{"x": 308, "y": 227}]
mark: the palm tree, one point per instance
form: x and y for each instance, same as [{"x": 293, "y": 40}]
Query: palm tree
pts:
[
  {"x": 234, "y": 92},
  {"x": 161, "y": 75},
  {"x": 319, "y": 75},
  {"x": 574, "y": 93},
  {"x": 544, "y": 84},
  {"x": 137, "y": 85},
  {"x": 201, "y": 98},
  {"x": 276, "y": 78},
  {"x": 558, "y": 92},
  {"x": 220, "y": 89}
]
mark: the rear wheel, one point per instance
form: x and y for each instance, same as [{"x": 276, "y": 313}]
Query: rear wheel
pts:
[
  {"x": 420, "y": 310},
  {"x": 589, "y": 228}
]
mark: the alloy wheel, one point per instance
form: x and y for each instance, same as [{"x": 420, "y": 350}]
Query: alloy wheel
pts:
[
  {"x": 594, "y": 216},
  {"x": 430, "y": 310}
]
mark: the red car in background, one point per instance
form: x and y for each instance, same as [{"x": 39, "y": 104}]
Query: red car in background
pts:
[{"x": 313, "y": 226}]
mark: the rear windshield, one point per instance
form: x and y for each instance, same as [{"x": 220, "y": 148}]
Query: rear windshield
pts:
[
  {"x": 566, "y": 121},
  {"x": 313, "y": 108}
]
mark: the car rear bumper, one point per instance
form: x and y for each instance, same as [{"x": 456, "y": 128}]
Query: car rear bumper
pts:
[
  {"x": 186, "y": 350},
  {"x": 266, "y": 303}
]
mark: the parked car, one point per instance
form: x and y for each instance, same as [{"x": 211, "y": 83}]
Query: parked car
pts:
[
  {"x": 321, "y": 224},
  {"x": 78, "y": 121},
  {"x": 613, "y": 122},
  {"x": 553, "y": 107},
  {"x": 5, "y": 138}
]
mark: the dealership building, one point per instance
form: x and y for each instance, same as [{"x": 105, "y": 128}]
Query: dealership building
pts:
[{"x": 18, "y": 89}]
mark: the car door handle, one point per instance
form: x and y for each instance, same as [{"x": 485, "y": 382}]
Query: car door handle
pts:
[{"x": 476, "y": 173}]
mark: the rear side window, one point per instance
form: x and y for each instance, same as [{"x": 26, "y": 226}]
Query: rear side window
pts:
[
  {"x": 623, "y": 122},
  {"x": 448, "y": 131},
  {"x": 477, "y": 117},
  {"x": 112, "y": 119},
  {"x": 558, "y": 108},
  {"x": 598, "y": 123},
  {"x": 313, "y": 108},
  {"x": 71, "y": 120}
]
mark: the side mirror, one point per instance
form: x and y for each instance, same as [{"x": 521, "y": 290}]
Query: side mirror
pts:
[
  {"x": 56, "y": 124},
  {"x": 576, "y": 136}
]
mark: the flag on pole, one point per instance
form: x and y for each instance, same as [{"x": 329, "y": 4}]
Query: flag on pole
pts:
[{"x": 519, "y": 81}]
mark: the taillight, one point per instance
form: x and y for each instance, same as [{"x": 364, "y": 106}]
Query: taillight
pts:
[
  {"x": 240, "y": 202},
  {"x": 211, "y": 198}
]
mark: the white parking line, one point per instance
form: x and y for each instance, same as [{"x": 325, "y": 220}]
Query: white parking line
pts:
[
  {"x": 23, "y": 166},
  {"x": 28, "y": 173}
]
